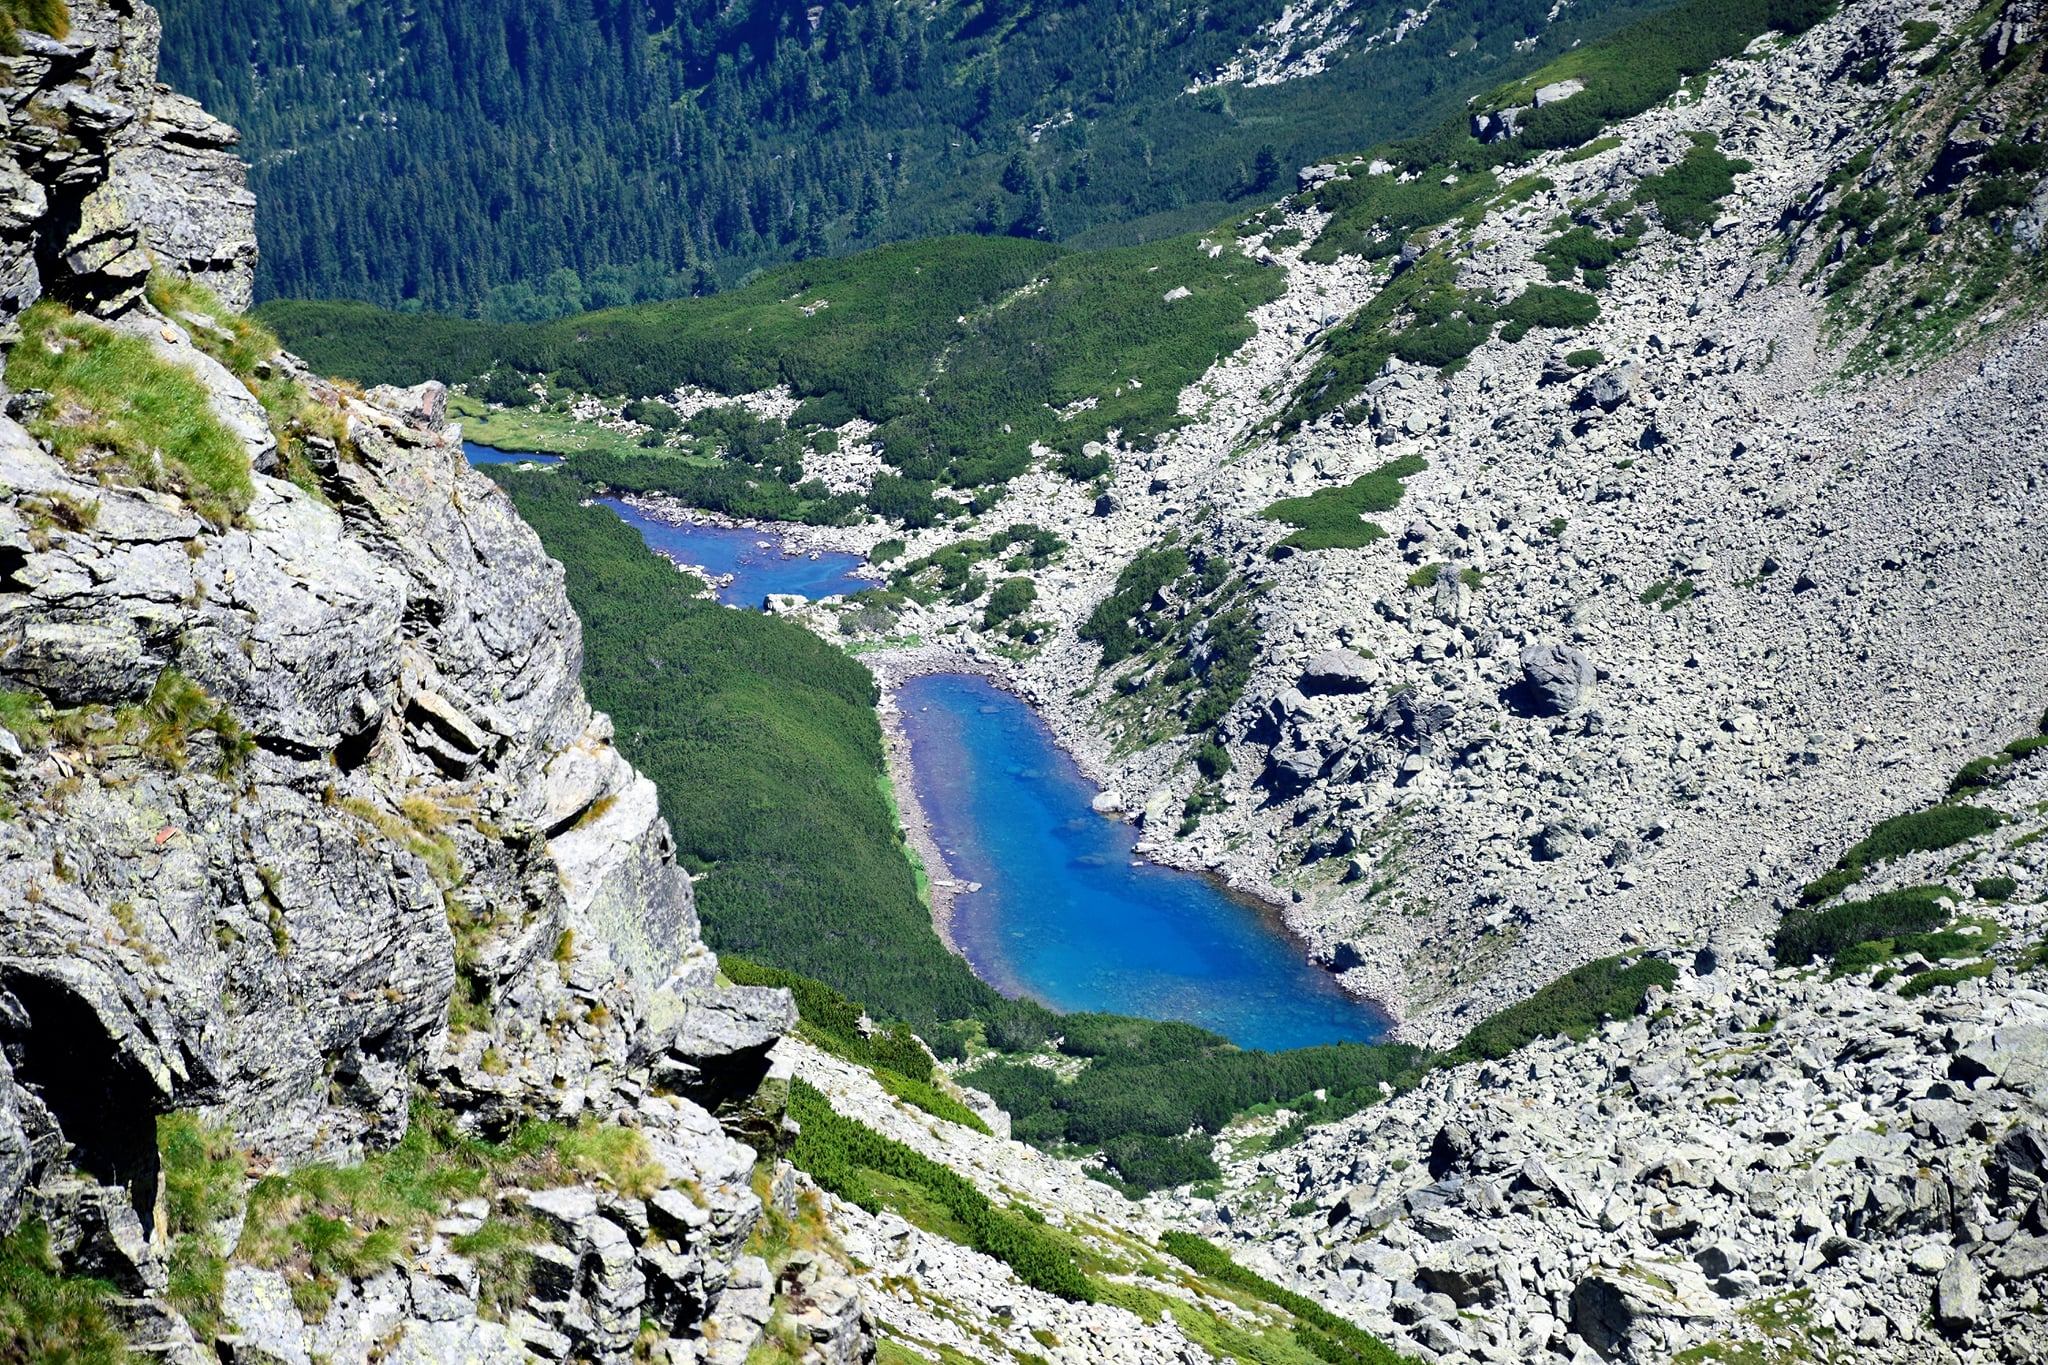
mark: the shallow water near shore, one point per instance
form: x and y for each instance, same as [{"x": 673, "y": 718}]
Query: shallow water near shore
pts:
[
  {"x": 1065, "y": 917},
  {"x": 758, "y": 568},
  {"x": 754, "y": 557}
]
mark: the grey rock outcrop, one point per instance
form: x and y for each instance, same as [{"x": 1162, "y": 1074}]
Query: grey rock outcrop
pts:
[
  {"x": 103, "y": 171},
  {"x": 309, "y": 816}
]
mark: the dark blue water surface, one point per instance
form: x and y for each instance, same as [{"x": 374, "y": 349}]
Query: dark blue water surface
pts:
[
  {"x": 490, "y": 455},
  {"x": 757, "y": 570},
  {"x": 1064, "y": 917}
]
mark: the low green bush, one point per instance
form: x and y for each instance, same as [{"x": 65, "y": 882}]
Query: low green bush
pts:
[
  {"x": 1806, "y": 934},
  {"x": 1976, "y": 775},
  {"x": 1688, "y": 194},
  {"x": 1009, "y": 599},
  {"x": 1083, "y": 468},
  {"x": 650, "y": 413},
  {"x": 1922, "y": 831},
  {"x": 1994, "y": 888},
  {"x": 1937, "y": 977},
  {"x": 1109, "y": 624},
  {"x": 1147, "y": 1162},
  {"x": 1938, "y": 827},
  {"x": 1574, "y": 1005},
  {"x": 1334, "y": 518},
  {"x": 836, "y": 1152}
]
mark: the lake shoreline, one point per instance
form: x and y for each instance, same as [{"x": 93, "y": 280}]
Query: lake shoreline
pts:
[{"x": 896, "y": 667}]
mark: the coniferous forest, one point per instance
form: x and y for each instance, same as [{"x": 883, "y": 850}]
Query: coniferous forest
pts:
[{"x": 521, "y": 161}]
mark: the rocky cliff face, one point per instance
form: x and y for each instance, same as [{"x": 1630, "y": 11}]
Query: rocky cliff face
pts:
[
  {"x": 103, "y": 171},
  {"x": 309, "y": 824}
]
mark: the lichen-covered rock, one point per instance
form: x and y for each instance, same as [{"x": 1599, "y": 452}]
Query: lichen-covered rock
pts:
[
  {"x": 114, "y": 174},
  {"x": 311, "y": 811}
]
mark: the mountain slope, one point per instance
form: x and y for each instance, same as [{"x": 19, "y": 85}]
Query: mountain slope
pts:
[
  {"x": 1765, "y": 539},
  {"x": 464, "y": 156}
]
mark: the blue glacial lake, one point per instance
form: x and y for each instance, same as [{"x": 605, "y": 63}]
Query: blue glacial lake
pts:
[
  {"x": 755, "y": 558},
  {"x": 1063, "y": 916},
  {"x": 490, "y": 455}
]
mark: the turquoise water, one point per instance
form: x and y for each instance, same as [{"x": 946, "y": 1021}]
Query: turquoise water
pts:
[
  {"x": 1063, "y": 915},
  {"x": 757, "y": 569}
]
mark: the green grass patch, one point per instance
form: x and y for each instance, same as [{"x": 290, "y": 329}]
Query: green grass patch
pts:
[
  {"x": 1805, "y": 934},
  {"x": 1335, "y": 518},
  {"x": 42, "y": 16},
  {"x": 844, "y": 1157},
  {"x": 118, "y": 411},
  {"x": 47, "y": 1317}
]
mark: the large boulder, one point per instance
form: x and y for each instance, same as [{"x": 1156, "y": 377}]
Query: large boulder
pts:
[
  {"x": 1557, "y": 677},
  {"x": 1338, "y": 670},
  {"x": 1621, "y": 1312}
]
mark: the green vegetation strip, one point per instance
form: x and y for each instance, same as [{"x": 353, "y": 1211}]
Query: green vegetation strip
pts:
[
  {"x": 964, "y": 351},
  {"x": 845, "y": 1157},
  {"x": 1573, "y": 1006},
  {"x": 1332, "y": 1338},
  {"x": 764, "y": 742},
  {"x": 1940, "y": 827}
]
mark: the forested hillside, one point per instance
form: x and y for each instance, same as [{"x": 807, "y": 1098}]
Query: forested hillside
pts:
[{"x": 525, "y": 161}]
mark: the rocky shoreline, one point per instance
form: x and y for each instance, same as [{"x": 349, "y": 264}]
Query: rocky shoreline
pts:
[{"x": 893, "y": 667}]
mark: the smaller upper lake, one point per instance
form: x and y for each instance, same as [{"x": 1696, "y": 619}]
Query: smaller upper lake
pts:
[
  {"x": 491, "y": 455},
  {"x": 1066, "y": 914},
  {"x": 758, "y": 560}
]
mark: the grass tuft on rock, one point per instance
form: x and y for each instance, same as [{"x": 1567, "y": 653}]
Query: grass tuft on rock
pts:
[
  {"x": 47, "y": 1317},
  {"x": 40, "y": 16},
  {"x": 323, "y": 1222},
  {"x": 203, "y": 1180},
  {"x": 117, "y": 411}
]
